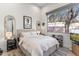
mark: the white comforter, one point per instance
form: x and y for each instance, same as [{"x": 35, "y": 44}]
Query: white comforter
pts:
[
  {"x": 37, "y": 44},
  {"x": 45, "y": 42}
]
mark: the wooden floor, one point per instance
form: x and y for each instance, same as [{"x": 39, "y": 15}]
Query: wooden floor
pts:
[
  {"x": 59, "y": 52},
  {"x": 15, "y": 52}
]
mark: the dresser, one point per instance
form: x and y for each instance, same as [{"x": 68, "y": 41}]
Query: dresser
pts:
[
  {"x": 75, "y": 43},
  {"x": 75, "y": 49}
]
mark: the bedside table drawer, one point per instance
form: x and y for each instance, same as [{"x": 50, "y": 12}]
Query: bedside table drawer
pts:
[{"x": 12, "y": 41}]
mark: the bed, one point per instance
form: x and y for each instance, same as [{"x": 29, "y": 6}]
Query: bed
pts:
[{"x": 37, "y": 45}]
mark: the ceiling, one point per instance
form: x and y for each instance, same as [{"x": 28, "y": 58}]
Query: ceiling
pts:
[{"x": 41, "y": 5}]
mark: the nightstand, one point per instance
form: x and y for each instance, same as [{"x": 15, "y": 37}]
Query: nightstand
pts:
[
  {"x": 1, "y": 51},
  {"x": 11, "y": 44}
]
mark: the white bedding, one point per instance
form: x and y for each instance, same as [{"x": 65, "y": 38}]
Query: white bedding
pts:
[
  {"x": 38, "y": 43},
  {"x": 45, "y": 42}
]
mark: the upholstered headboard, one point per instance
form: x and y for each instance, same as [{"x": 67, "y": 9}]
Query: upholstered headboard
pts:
[{"x": 24, "y": 30}]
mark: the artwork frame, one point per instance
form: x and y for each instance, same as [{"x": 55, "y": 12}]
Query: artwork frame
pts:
[{"x": 27, "y": 22}]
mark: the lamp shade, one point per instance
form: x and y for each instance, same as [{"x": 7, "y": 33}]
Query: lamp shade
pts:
[{"x": 8, "y": 35}]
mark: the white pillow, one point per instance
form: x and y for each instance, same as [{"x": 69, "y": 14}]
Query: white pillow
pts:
[
  {"x": 27, "y": 34},
  {"x": 34, "y": 33}
]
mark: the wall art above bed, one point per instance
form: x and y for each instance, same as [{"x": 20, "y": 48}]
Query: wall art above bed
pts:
[{"x": 27, "y": 22}]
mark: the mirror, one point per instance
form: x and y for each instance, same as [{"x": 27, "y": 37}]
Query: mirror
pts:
[{"x": 9, "y": 26}]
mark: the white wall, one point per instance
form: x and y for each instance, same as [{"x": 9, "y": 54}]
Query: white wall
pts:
[
  {"x": 18, "y": 11},
  {"x": 66, "y": 40}
]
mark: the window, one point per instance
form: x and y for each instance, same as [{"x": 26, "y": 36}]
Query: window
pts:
[
  {"x": 57, "y": 19},
  {"x": 56, "y": 22},
  {"x": 56, "y": 27},
  {"x": 74, "y": 28}
]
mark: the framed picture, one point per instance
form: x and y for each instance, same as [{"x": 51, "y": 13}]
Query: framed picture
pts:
[{"x": 27, "y": 22}]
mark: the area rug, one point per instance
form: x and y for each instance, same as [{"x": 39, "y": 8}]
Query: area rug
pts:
[{"x": 62, "y": 52}]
